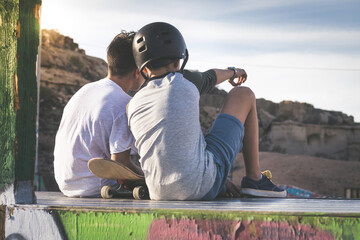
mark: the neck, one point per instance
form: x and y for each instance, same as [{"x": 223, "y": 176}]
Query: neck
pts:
[
  {"x": 162, "y": 71},
  {"x": 123, "y": 82}
]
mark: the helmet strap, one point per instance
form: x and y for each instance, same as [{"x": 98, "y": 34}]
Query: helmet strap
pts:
[
  {"x": 146, "y": 77},
  {"x": 185, "y": 60}
]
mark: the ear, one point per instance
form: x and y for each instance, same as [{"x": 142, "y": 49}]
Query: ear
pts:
[{"x": 136, "y": 73}]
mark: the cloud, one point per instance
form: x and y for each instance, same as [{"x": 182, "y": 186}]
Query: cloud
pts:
[
  {"x": 215, "y": 32},
  {"x": 132, "y": 15}
]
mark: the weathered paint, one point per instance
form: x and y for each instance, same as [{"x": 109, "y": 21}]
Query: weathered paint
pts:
[
  {"x": 26, "y": 114},
  {"x": 239, "y": 229},
  {"x": 28, "y": 223},
  {"x": 33, "y": 223},
  {"x": 207, "y": 225},
  {"x": 2, "y": 221},
  {"x": 9, "y": 12},
  {"x": 7, "y": 196}
]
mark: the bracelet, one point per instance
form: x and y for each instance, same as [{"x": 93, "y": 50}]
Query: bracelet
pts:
[{"x": 234, "y": 69}]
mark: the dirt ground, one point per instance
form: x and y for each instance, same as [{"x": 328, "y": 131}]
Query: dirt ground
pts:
[{"x": 319, "y": 175}]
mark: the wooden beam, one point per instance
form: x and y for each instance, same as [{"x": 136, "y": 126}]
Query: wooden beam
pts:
[{"x": 20, "y": 29}]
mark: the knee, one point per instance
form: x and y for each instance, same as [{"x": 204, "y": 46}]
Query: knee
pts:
[{"x": 242, "y": 92}]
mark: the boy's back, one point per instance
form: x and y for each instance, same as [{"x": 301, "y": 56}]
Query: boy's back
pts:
[
  {"x": 93, "y": 125},
  {"x": 167, "y": 111}
]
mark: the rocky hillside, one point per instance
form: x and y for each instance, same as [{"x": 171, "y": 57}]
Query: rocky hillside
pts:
[
  {"x": 288, "y": 127},
  {"x": 296, "y": 128}
]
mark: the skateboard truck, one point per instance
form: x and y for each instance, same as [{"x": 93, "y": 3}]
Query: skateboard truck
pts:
[{"x": 138, "y": 192}]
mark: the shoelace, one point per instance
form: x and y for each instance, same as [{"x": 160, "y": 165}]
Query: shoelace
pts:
[{"x": 267, "y": 174}]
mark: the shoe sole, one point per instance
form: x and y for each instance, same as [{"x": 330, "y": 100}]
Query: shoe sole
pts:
[{"x": 262, "y": 193}]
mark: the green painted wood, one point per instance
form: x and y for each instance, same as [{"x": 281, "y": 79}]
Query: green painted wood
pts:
[
  {"x": 9, "y": 14},
  {"x": 26, "y": 110},
  {"x": 105, "y": 225}
]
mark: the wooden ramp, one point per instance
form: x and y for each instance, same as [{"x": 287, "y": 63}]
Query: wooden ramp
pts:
[
  {"x": 60, "y": 217},
  {"x": 258, "y": 205}
]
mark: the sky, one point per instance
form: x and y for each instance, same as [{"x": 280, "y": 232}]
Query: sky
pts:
[{"x": 299, "y": 50}]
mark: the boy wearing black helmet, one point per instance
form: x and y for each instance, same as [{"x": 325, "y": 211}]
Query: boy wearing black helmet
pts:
[{"x": 178, "y": 162}]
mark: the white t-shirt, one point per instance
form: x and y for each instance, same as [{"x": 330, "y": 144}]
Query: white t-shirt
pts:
[
  {"x": 94, "y": 124},
  {"x": 164, "y": 118}
]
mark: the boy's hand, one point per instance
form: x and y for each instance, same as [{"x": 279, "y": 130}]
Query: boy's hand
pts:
[
  {"x": 232, "y": 190},
  {"x": 124, "y": 159},
  {"x": 241, "y": 77}
]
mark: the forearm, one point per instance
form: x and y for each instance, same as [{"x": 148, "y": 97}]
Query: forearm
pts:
[{"x": 225, "y": 74}]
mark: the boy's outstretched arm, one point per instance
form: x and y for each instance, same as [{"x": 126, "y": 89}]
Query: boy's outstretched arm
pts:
[
  {"x": 205, "y": 81},
  {"x": 237, "y": 77}
]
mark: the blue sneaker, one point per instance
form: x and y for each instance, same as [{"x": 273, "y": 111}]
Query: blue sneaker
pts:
[{"x": 262, "y": 188}]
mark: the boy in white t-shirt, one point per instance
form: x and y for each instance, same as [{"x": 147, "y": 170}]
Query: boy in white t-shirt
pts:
[{"x": 94, "y": 123}]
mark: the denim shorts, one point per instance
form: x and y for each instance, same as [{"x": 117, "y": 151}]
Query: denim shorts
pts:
[{"x": 224, "y": 141}]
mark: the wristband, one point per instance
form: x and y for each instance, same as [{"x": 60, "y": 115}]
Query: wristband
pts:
[{"x": 234, "y": 69}]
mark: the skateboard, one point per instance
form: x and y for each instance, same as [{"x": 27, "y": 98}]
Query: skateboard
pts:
[{"x": 131, "y": 183}]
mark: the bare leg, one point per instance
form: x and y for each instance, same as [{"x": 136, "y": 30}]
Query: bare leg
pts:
[{"x": 241, "y": 103}]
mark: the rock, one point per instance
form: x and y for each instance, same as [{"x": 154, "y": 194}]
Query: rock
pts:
[
  {"x": 265, "y": 119},
  {"x": 302, "y": 112},
  {"x": 52, "y": 38},
  {"x": 207, "y": 117},
  {"x": 269, "y": 106},
  {"x": 47, "y": 60},
  {"x": 334, "y": 142},
  {"x": 296, "y": 128},
  {"x": 215, "y": 98},
  {"x": 293, "y": 111}
]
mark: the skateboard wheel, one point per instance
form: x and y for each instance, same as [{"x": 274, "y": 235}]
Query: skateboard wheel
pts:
[
  {"x": 106, "y": 192},
  {"x": 140, "y": 192}
]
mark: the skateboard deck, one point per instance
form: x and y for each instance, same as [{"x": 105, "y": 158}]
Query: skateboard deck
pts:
[{"x": 109, "y": 169}]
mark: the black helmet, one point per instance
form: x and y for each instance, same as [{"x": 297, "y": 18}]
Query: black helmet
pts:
[{"x": 156, "y": 41}]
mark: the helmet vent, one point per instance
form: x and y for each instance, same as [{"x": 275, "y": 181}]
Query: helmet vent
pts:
[
  {"x": 167, "y": 41},
  {"x": 142, "y": 49},
  {"x": 140, "y": 40},
  {"x": 164, "y": 33}
]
